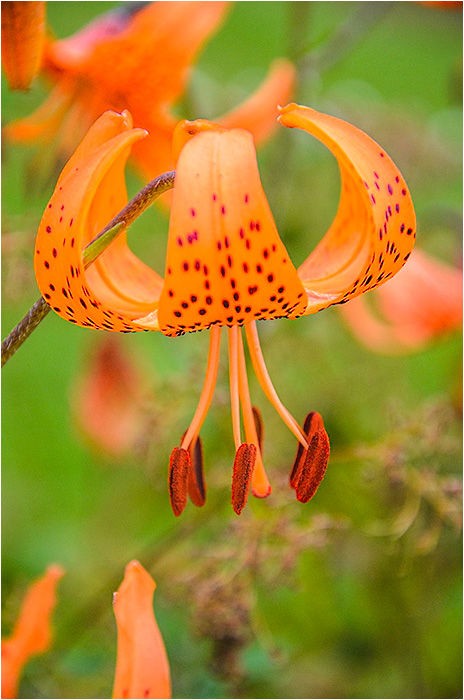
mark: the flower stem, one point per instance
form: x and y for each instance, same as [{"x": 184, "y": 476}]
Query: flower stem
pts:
[{"x": 120, "y": 222}]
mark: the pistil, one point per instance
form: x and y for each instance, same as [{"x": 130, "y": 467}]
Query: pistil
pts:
[{"x": 233, "y": 335}]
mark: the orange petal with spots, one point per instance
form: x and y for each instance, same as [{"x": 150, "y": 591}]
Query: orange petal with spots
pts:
[
  {"x": 142, "y": 667},
  {"x": 226, "y": 264},
  {"x": 373, "y": 232},
  {"x": 259, "y": 111},
  {"x": 23, "y": 40},
  {"x": 422, "y": 303},
  {"x": 32, "y": 632},
  {"x": 118, "y": 287}
]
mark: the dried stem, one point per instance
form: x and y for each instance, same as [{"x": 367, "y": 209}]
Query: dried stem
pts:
[{"x": 119, "y": 223}]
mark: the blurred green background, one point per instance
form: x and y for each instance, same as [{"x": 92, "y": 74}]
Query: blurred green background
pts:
[{"x": 357, "y": 594}]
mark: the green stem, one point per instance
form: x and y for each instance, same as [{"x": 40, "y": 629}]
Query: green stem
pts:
[{"x": 119, "y": 223}]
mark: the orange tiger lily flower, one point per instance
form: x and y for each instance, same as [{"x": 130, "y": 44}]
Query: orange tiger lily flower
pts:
[
  {"x": 23, "y": 42},
  {"x": 421, "y": 304},
  {"x": 139, "y": 60},
  {"x": 32, "y": 632},
  {"x": 142, "y": 666},
  {"x": 226, "y": 266}
]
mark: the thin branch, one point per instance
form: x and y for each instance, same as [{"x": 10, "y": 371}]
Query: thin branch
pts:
[
  {"x": 119, "y": 223},
  {"x": 320, "y": 59}
]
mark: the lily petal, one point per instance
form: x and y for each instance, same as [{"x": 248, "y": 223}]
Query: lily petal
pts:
[
  {"x": 258, "y": 113},
  {"x": 23, "y": 41},
  {"x": 142, "y": 667},
  {"x": 225, "y": 257},
  {"x": 421, "y": 304},
  {"x": 43, "y": 124},
  {"x": 373, "y": 232},
  {"x": 32, "y": 632},
  {"x": 89, "y": 192}
]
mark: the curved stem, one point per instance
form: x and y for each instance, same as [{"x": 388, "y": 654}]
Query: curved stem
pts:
[
  {"x": 208, "y": 388},
  {"x": 118, "y": 223}
]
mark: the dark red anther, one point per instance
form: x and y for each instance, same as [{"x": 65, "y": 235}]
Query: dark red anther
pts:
[
  {"x": 196, "y": 481},
  {"x": 241, "y": 477},
  {"x": 311, "y": 463},
  {"x": 179, "y": 467},
  {"x": 312, "y": 421},
  {"x": 259, "y": 425},
  {"x": 313, "y": 467}
]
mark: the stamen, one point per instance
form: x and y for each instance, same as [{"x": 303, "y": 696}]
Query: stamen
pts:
[
  {"x": 208, "y": 388},
  {"x": 267, "y": 385},
  {"x": 196, "y": 481},
  {"x": 311, "y": 464},
  {"x": 259, "y": 425},
  {"x": 313, "y": 468},
  {"x": 260, "y": 482},
  {"x": 242, "y": 474},
  {"x": 312, "y": 423},
  {"x": 233, "y": 338},
  {"x": 179, "y": 466}
]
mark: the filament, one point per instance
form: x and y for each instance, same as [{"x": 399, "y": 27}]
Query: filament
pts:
[
  {"x": 233, "y": 339},
  {"x": 207, "y": 390},
  {"x": 267, "y": 385}
]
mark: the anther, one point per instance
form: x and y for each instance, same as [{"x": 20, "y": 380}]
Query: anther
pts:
[
  {"x": 241, "y": 477},
  {"x": 258, "y": 419},
  {"x": 179, "y": 468},
  {"x": 311, "y": 463},
  {"x": 196, "y": 481},
  {"x": 309, "y": 429},
  {"x": 313, "y": 468}
]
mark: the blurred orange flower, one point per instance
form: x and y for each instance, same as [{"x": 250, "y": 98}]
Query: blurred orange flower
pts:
[
  {"x": 422, "y": 303},
  {"x": 32, "y": 632},
  {"x": 226, "y": 266},
  {"x": 23, "y": 42},
  {"x": 139, "y": 59},
  {"x": 142, "y": 666},
  {"x": 443, "y": 4},
  {"x": 109, "y": 399}
]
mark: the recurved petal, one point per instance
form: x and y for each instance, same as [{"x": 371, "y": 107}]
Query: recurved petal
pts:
[
  {"x": 373, "y": 232},
  {"x": 258, "y": 113},
  {"x": 32, "y": 632},
  {"x": 23, "y": 39},
  {"x": 118, "y": 287},
  {"x": 142, "y": 667},
  {"x": 44, "y": 123}
]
